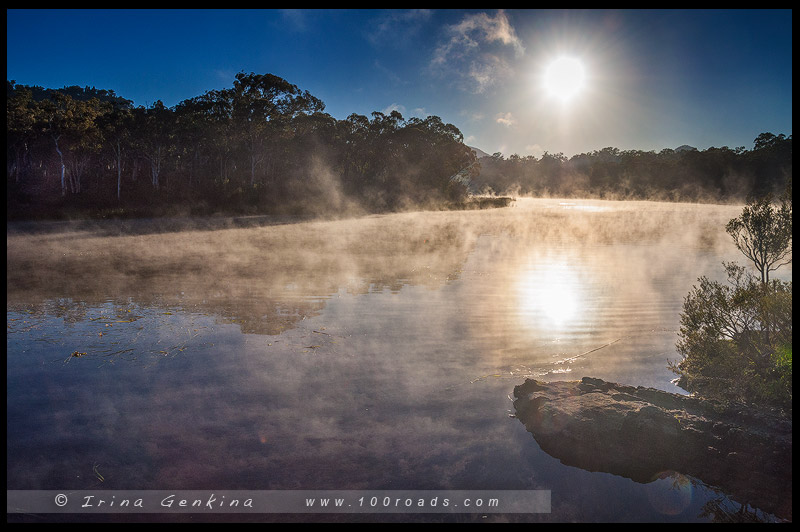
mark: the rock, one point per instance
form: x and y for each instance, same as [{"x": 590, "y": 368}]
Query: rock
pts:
[{"x": 640, "y": 433}]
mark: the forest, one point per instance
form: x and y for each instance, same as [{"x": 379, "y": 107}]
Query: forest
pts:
[
  {"x": 265, "y": 146},
  {"x": 681, "y": 174}
]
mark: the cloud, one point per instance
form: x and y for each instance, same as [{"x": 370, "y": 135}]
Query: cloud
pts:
[
  {"x": 397, "y": 27},
  {"x": 475, "y": 30},
  {"x": 420, "y": 112},
  {"x": 505, "y": 119},
  {"x": 390, "y": 74},
  {"x": 485, "y": 71},
  {"x": 394, "y": 107},
  {"x": 295, "y": 18},
  {"x": 535, "y": 149},
  {"x": 472, "y": 115},
  {"x": 226, "y": 76},
  {"x": 478, "y": 48}
]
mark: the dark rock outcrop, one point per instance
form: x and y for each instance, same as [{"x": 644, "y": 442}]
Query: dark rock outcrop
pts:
[{"x": 640, "y": 433}]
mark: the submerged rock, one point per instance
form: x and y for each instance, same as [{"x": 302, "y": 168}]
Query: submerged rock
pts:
[{"x": 640, "y": 433}]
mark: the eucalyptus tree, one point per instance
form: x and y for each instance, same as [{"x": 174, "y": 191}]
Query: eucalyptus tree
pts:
[
  {"x": 116, "y": 125},
  {"x": 20, "y": 122},
  {"x": 763, "y": 233},
  {"x": 72, "y": 127},
  {"x": 355, "y": 164},
  {"x": 425, "y": 155},
  {"x": 215, "y": 112},
  {"x": 384, "y": 149},
  {"x": 447, "y": 156},
  {"x": 263, "y": 107},
  {"x": 736, "y": 338},
  {"x": 153, "y": 130},
  {"x": 86, "y": 144},
  {"x": 196, "y": 138}
]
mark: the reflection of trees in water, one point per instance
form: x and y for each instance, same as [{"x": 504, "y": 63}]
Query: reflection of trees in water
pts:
[
  {"x": 68, "y": 310},
  {"x": 264, "y": 279},
  {"x": 722, "y": 510},
  {"x": 268, "y": 277}
]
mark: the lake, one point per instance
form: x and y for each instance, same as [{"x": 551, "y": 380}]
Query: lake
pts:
[{"x": 374, "y": 353}]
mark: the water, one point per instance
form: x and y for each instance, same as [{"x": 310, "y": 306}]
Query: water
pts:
[{"x": 373, "y": 353}]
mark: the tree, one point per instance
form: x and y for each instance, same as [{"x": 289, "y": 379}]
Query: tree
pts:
[
  {"x": 196, "y": 140},
  {"x": 763, "y": 233},
  {"x": 767, "y": 140},
  {"x": 735, "y": 338},
  {"x": 20, "y": 122},
  {"x": 153, "y": 131},
  {"x": 116, "y": 126},
  {"x": 262, "y": 105},
  {"x": 71, "y": 125}
]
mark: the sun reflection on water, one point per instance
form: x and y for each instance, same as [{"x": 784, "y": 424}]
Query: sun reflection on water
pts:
[{"x": 550, "y": 294}]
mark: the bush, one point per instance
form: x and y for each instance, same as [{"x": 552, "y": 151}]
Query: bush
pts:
[{"x": 736, "y": 339}]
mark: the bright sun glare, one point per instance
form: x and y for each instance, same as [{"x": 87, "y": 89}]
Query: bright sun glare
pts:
[
  {"x": 564, "y": 78},
  {"x": 550, "y": 295}
]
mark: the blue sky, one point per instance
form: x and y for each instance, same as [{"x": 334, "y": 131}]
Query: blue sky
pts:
[{"x": 653, "y": 79}]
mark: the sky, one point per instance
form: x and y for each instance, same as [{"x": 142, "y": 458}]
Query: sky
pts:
[{"x": 648, "y": 79}]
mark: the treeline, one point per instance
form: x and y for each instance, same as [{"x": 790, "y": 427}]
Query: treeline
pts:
[
  {"x": 266, "y": 146},
  {"x": 683, "y": 174},
  {"x": 262, "y": 146}
]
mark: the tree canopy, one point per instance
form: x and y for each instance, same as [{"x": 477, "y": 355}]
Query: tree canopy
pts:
[
  {"x": 262, "y": 145},
  {"x": 763, "y": 233},
  {"x": 265, "y": 145}
]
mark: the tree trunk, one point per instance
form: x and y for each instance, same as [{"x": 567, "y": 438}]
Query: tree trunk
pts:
[
  {"x": 119, "y": 169},
  {"x": 63, "y": 167},
  {"x": 155, "y": 167}
]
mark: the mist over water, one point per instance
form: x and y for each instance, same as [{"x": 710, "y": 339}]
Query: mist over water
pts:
[{"x": 369, "y": 353}]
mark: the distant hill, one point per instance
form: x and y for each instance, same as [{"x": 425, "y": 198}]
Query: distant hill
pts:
[
  {"x": 685, "y": 147},
  {"x": 479, "y": 152}
]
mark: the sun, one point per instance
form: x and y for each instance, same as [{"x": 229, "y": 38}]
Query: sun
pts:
[{"x": 564, "y": 78}]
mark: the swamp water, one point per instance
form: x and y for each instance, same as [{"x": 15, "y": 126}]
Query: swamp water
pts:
[{"x": 377, "y": 353}]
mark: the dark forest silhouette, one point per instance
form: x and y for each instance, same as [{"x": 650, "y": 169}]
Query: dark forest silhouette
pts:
[
  {"x": 682, "y": 174},
  {"x": 264, "y": 146}
]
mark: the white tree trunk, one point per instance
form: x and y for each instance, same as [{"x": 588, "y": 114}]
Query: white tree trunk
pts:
[{"x": 63, "y": 167}]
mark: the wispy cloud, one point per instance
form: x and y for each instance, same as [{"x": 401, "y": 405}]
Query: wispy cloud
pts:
[
  {"x": 295, "y": 19},
  {"x": 535, "y": 149},
  {"x": 472, "y": 115},
  {"x": 394, "y": 107},
  {"x": 400, "y": 108},
  {"x": 420, "y": 112},
  {"x": 225, "y": 76},
  {"x": 389, "y": 73},
  {"x": 478, "y": 47},
  {"x": 487, "y": 70},
  {"x": 397, "y": 28},
  {"x": 505, "y": 119}
]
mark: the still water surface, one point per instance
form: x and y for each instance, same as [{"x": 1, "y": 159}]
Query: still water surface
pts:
[{"x": 374, "y": 353}]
